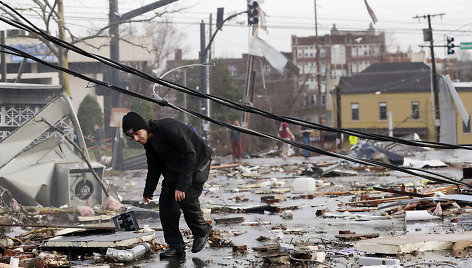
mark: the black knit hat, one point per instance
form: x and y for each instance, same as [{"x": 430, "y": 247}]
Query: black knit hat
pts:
[{"x": 132, "y": 122}]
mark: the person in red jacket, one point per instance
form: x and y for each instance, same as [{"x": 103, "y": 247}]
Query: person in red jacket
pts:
[
  {"x": 285, "y": 133},
  {"x": 235, "y": 139},
  {"x": 176, "y": 152}
]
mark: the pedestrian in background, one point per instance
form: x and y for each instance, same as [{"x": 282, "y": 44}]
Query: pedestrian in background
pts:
[
  {"x": 235, "y": 139},
  {"x": 97, "y": 143},
  {"x": 306, "y": 138},
  {"x": 176, "y": 152},
  {"x": 285, "y": 133}
]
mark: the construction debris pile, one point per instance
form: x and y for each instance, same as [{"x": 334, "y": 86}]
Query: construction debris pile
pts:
[{"x": 264, "y": 211}]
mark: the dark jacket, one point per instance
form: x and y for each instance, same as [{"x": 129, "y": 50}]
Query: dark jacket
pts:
[
  {"x": 235, "y": 136},
  {"x": 174, "y": 147}
]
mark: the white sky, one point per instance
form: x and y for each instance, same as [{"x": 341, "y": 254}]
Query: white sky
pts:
[{"x": 296, "y": 17}]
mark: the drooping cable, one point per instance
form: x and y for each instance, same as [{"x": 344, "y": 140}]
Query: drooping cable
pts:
[
  {"x": 228, "y": 103},
  {"x": 435, "y": 177}
]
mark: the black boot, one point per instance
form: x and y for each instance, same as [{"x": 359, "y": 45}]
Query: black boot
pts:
[
  {"x": 172, "y": 252},
  {"x": 199, "y": 242}
]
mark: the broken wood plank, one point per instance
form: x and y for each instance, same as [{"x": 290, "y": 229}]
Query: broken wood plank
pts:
[
  {"x": 355, "y": 209},
  {"x": 348, "y": 193},
  {"x": 229, "y": 220},
  {"x": 225, "y": 166},
  {"x": 355, "y": 237},
  {"x": 404, "y": 193},
  {"x": 374, "y": 202}
]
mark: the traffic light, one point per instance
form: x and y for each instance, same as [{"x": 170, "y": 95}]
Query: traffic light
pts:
[
  {"x": 253, "y": 13},
  {"x": 450, "y": 45},
  {"x": 219, "y": 17}
]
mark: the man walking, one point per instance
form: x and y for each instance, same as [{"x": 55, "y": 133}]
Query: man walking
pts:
[
  {"x": 176, "y": 152},
  {"x": 306, "y": 139}
]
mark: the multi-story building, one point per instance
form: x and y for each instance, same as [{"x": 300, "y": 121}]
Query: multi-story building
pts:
[{"x": 342, "y": 53}]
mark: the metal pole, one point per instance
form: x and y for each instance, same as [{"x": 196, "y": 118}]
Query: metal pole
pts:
[
  {"x": 338, "y": 114},
  {"x": 203, "y": 81},
  {"x": 185, "y": 96},
  {"x": 318, "y": 79},
  {"x": 4, "y": 63}
]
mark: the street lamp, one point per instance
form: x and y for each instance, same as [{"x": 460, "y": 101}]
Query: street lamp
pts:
[{"x": 156, "y": 95}]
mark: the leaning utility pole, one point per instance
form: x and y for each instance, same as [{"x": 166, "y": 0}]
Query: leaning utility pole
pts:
[
  {"x": 318, "y": 79},
  {"x": 428, "y": 36},
  {"x": 253, "y": 14}
]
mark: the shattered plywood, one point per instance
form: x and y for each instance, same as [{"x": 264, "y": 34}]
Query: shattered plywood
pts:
[
  {"x": 118, "y": 239},
  {"x": 411, "y": 243}
]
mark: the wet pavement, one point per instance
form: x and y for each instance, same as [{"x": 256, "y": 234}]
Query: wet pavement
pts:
[{"x": 229, "y": 187}]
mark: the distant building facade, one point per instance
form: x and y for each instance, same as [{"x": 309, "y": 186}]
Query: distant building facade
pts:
[
  {"x": 36, "y": 73},
  {"x": 400, "y": 92},
  {"x": 342, "y": 53}
]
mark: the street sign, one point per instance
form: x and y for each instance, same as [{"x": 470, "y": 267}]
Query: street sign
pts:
[{"x": 466, "y": 45}]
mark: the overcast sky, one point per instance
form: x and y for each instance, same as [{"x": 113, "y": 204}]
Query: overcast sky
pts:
[{"x": 296, "y": 17}]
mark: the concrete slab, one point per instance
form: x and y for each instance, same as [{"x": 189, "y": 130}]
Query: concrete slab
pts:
[
  {"x": 118, "y": 239},
  {"x": 411, "y": 243}
]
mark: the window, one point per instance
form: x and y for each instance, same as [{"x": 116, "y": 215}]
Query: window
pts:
[
  {"x": 415, "y": 110},
  {"x": 383, "y": 110},
  {"x": 354, "y": 51},
  {"x": 355, "y": 111},
  {"x": 233, "y": 70},
  {"x": 376, "y": 50},
  {"x": 322, "y": 52},
  {"x": 310, "y": 100},
  {"x": 466, "y": 128},
  {"x": 354, "y": 67}
]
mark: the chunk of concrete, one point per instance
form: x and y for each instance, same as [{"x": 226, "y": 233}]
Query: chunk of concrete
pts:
[
  {"x": 419, "y": 215},
  {"x": 369, "y": 261},
  {"x": 411, "y": 242}
]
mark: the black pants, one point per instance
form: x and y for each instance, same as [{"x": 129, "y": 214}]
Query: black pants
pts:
[{"x": 169, "y": 211}]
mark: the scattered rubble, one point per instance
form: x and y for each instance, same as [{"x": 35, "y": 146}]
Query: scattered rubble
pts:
[{"x": 292, "y": 213}]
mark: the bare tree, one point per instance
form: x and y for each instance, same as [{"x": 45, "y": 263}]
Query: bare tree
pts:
[
  {"x": 166, "y": 39},
  {"x": 50, "y": 17}
]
